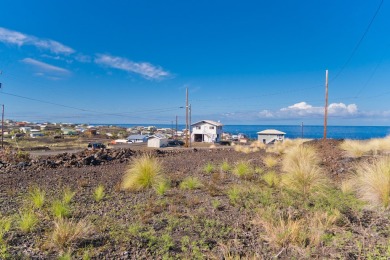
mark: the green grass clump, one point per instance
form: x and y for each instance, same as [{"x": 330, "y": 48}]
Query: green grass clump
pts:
[
  {"x": 68, "y": 195},
  {"x": 225, "y": 166},
  {"x": 37, "y": 197},
  {"x": 190, "y": 183},
  {"x": 373, "y": 182},
  {"x": 234, "y": 194},
  {"x": 271, "y": 179},
  {"x": 98, "y": 193},
  {"x": 60, "y": 209},
  {"x": 208, "y": 168},
  {"x": 162, "y": 187},
  {"x": 28, "y": 221},
  {"x": 5, "y": 226},
  {"x": 145, "y": 172},
  {"x": 243, "y": 170}
]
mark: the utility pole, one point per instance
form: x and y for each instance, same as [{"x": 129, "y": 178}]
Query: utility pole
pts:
[
  {"x": 186, "y": 144},
  {"x": 176, "y": 128},
  {"x": 2, "y": 127},
  {"x": 190, "y": 124},
  {"x": 326, "y": 104},
  {"x": 302, "y": 130}
]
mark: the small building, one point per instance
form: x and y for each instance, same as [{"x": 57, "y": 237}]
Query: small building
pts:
[
  {"x": 157, "y": 141},
  {"x": 270, "y": 136},
  {"x": 68, "y": 131},
  {"x": 35, "y": 133},
  {"x": 25, "y": 129},
  {"x": 206, "y": 131},
  {"x": 137, "y": 138}
]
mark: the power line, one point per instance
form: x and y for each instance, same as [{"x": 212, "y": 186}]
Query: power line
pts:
[{"x": 358, "y": 43}]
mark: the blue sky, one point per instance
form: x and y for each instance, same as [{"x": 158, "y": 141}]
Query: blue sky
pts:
[{"x": 244, "y": 62}]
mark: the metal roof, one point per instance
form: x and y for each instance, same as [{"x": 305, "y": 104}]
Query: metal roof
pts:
[
  {"x": 271, "y": 132},
  {"x": 208, "y": 122},
  {"x": 136, "y": 137}
]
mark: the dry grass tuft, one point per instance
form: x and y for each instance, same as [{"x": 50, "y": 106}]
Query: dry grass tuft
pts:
[
  {"x": 258, "y": 144},
  {"x": 270, "y": 161},
  {"x": 67, "y": 233},
  {"x": 355, "y": 148},
  {"x": 373, "y": 182},
  {"x": 145, "y": 172},
  {"x": 302, "y": 173},
  {"x": 271, "y": 178}
]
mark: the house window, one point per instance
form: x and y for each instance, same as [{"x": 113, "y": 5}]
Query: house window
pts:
[
  {"x": 211, "y": 127},
  {"x": 197, "y": 127}
]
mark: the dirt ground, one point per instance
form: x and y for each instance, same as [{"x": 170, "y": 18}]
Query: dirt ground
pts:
[{"x": 194, "y": 224}]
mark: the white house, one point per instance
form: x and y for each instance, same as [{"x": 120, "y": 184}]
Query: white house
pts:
[
  {"x": 157, "y": 141},
  {"x": 137, "y": 138},
  {"x": 206, "y": 131},
  {"x": 35, "y": 133},
  {"x": 270, "y": 136}
]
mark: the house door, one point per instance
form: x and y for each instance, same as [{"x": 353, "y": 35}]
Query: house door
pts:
[{"x": 198, "y": 138}]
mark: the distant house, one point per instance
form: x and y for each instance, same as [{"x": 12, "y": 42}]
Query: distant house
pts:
[
  {"x": 206, "y": 131},
  {"x": 137, "y": 138},
  {"x": 270, "y": 136},
  {"x": 157, "y": 141},
  {"x": 35, "y": 133},
  {"x": 68, "y": 131},
  {"x": 25, "y": 129}
]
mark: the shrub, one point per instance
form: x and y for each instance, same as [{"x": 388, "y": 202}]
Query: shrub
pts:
[
  {"x": 373, "y": 182},
  {"x": 208, "y": 168},
  {"x": 67, "y": 232},
  {"x": 144, "y": 173},
  {"x": 60, "y": 209},
  {"x": 258, "y": 144},
  {"x": 28, "y": 221},
  {"x": 234, "y": 194},
  {"x": 68, "y": 195},
  {"x": 302, "y": 173},
  {"x": 190, "y": 183},
  {"x": 5, "y": 226},
  {"x": 225, "y": 166},
  {"x": 242, "y": 169},
  {"x": 270, "y": 161},
  {"x": 37, "y": 197}
]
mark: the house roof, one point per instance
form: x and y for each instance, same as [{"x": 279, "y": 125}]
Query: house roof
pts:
[
  {"x": 271, "y": 132},
  {"x": 136, "y": 137},
  {"x": 159, "y": 136},
  {"x": 208, "y": 122}
]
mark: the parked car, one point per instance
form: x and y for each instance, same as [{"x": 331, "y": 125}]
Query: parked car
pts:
[{"x": 96, "y": 146}]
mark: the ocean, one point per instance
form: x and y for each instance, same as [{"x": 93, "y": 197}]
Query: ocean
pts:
[{"x": 295, "y": 131}]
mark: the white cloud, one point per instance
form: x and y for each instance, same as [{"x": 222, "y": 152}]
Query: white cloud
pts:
[
  {"x": 305, "y": 109},
  {"x": 45, "y": 67},
  {"x": 20, "y": 39},
  {"x": 145, "y": 69}
]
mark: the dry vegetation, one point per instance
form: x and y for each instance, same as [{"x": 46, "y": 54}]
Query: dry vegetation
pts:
[{"x": 250, "y": 202}]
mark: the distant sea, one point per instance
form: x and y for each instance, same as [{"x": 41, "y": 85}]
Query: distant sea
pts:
[{"x": 295, "y": 131}]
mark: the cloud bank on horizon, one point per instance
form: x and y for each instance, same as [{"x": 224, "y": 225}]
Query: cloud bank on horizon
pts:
[{"x": 144, "y": 69}]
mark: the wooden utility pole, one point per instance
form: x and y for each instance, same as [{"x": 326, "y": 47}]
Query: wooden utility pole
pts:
[
  {"x": 2, "y": 127},
  {"x": 190, "y": 124},
  {"x": 176, "y": 128},
  {"x": 186, "y": 144},
  {"x": 302, "y": 130},
  {"x": 326, "y": 104}
]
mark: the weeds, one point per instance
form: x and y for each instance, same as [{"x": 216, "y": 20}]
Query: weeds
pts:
[
  {"x": 225, "y": 166},
  {"x": 242, "y": 169},
  {"x": 190, "y": 183},
  {"x": 98, "y": 193},
  {"x": 271, "y": 179},
  {"x": 37, "y": 197},
  {"x": 162, "y": 187},
  {"x": 208, "y": 168},
  {"x": 270, "y": 161},
  {"x": 27, "y": 222},
  {"x": 145, "y": 172},
  {"x": 68, "y": 195},
  {"x": 60, "y": 209},
  {"x": 67, "y": 232},
  {"x": 373, "y": 182}
]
